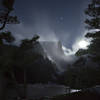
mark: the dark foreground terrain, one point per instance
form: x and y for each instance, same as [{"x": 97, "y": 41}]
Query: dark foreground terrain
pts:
[{"x": 79, "y": 96}]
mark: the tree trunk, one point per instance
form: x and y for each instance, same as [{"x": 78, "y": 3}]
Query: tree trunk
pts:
[
  {"x": 5, "y": 21},
  {"x": 3, "y": 85},
  {"x": 15, "y": 83},
  {"x": 25, "y": 85}
]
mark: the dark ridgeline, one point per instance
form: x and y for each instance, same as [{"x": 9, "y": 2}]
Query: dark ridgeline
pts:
[
  {"x": 39, "y": 68},
  {"x": 56, "y": 53}
]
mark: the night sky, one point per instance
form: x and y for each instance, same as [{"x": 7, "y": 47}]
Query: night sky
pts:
[{"x": 51, "y": 19}]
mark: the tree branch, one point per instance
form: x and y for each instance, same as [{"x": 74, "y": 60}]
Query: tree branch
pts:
[{"x": 4, "y": 24}]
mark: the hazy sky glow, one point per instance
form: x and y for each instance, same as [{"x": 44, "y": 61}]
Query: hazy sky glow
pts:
[{"x": 52, "y": 19}]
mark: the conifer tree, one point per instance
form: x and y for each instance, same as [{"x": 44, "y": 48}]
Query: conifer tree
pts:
[
  {"x": 5, "y": 17},
  {"x": 93, "y": 26}
]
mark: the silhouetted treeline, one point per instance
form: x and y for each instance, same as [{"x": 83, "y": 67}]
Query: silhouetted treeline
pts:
[{"x": 85, "y": 72}]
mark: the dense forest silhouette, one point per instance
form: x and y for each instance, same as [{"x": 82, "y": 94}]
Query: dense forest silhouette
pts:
[{"x": 28, "y": 63}]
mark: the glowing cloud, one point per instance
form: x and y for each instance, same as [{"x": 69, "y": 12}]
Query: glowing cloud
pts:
[{"x": 83, "y": 44}]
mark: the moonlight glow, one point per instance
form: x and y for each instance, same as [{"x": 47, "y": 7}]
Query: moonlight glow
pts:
[{"x": 83, "y": 44}]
